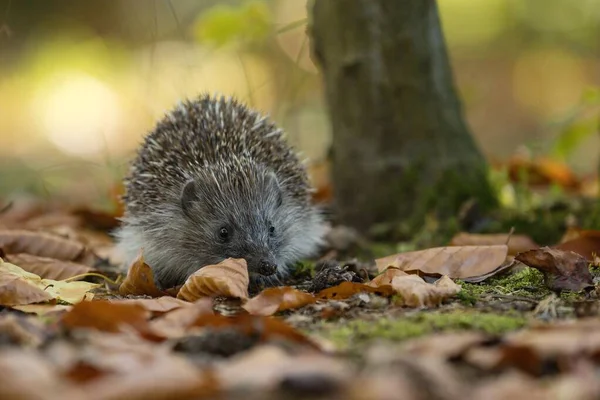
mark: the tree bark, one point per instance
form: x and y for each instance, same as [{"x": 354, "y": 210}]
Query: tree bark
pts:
[{"x": 400, "y": 145}]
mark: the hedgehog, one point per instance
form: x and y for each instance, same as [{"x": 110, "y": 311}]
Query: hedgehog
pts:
[{"x": 213, "y": 180}]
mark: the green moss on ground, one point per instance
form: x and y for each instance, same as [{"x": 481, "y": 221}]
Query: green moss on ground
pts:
[
  {"x": 360, "y": 331},
  {"x": 528, "y": 282}
]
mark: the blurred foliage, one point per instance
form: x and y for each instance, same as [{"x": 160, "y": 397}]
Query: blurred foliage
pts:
[
  {"x": 249, "y": 22},
  {"x": 579, "y": 125}
]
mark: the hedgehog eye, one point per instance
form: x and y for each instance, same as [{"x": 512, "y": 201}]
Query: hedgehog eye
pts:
[
  {"x": 271, "y": 230},
  {"x": 224, "y": 233}
]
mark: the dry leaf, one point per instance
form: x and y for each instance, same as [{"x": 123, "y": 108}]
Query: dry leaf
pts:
[
  {"x": 265, "y": 328},
  {"x": 107, "y": 316},
  {"x": 349, "y": 289},
  {"x": 458, "y": 262},
  {"x": 272, "y": 300},
  {"x": 176, "y": 323},
  {"x": 48, "y": 268},
  {"x": 45, "y": 245},
  {"x": 26, "y": 375},
  {"x": 162, "y": 377},
  {"x": 516, "y": 243},
  {"x": 140, "y": 280},
  {"x": 42, "y": 309},
  {"x": 19, "y": 287},
  {"x": 229, "y": 278},
  {"x": 583, "y": 242},
  {"x": 415, "y": 292},
  {"x": 96, "y": 219},
  {"x": 262, "y": 368},
  {"x": 563, "y": 270},
  {"x": 158, "y": 305},
  {"x": 386, "y": 277}
]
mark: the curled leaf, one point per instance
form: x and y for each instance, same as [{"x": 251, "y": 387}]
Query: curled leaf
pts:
[
  {"x": 415, "y": 292},
  {"x": 140, "y": 280},
  {"x": 229, "y": 278},
  {"x": 563, "y": 270},
  {"x": 276, "y": 299}
]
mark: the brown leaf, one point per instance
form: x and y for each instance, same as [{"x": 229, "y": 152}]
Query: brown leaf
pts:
[
  {"x": 45, "y": 245},
  {"x": 583, "y": 242},
  {"x": 386, "y": 277},
  {"x": 516, "y": 243},
  {"x": 48, "y": 268},
  {"x": 140, "y": 280},
  {"x": 457, "y": 262},
  {"x": 415, "y": 292},
  {"x": 26, "y": 375},
  {"x": 229, "y": 278},
  {"x": 107, "y": 316},
  {"x": 96, "y": 219},
  {"x": 42, "y": 309},
  {"x": 349, "y": 289},
  {"x": 164, "y": 376},
  {"x": 563, "y": 270},
  {"x": 18, "y": 289},
  {"x": 176, "y": 323},
  {"x": 272, "y": 300},
  {"x": 265, "y": 328},
  {"x": 262, "y": 368},
  {"x": 158, "y": 305}
]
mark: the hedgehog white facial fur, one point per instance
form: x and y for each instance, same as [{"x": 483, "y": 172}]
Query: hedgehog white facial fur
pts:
[{"x": 213, "y": 180}]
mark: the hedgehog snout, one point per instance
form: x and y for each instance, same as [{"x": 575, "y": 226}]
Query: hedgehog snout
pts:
[{"x": 262, "y": 266}]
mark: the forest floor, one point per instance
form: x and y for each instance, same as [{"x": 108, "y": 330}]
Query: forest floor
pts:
[{"x": 72, "y": 325}]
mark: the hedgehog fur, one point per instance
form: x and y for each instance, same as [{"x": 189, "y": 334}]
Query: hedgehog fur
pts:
[{"x": 214, "y": 180}]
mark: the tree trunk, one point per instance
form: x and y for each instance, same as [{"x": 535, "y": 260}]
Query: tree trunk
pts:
[{"x": 400, "y": 146}]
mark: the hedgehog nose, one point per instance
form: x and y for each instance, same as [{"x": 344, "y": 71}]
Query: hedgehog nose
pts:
[{"x": 267, "y": 268}]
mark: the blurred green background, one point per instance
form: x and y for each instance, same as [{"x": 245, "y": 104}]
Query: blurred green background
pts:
[{"x": 82, "y": 81}]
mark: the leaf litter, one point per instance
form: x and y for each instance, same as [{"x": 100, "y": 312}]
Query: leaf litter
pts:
[{"x": 144, "y": 342}]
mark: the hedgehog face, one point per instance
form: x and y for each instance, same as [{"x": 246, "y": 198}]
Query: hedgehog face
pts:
[{"x": 240, "y": 218}]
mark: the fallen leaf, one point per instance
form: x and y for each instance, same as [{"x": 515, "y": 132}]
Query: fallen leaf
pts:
[
  {"x": 23, "y": 330},
  {"x": 458, "y": 262},
  {"x": 275, "y": 299},
  {"x": 26, "y": 375},
  {"x": 42, "y": 309},
  {"x": 516, "y": 243},
  {"x": 107, "y": 316},
  {"x": 158, "y": 305},
  {"x": 96, "y": 219},
  {"x": 229, "y": 278},
  {"x": 349, "y": 289},
  {"x": 140, "y": 280},
  {"x": 176, "y": 323},
  {"x": 415, "y": 292},
  {"x": 45, "y": 245},
  {"x": 563, "y": 270},
  {"x": 583, "y": 242},
  {"x": 265, "y": 328},
  {"x": 263, "y": 368},
  {"x": 18, "y": 287},
  {"x": 162, "y": 377},
  {"x": 386, "y": 277},
  {"x": 48, "y": 268}
]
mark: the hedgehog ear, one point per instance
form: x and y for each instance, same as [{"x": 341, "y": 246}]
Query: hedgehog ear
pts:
[
  {"x": 274, "y": 188},
  {"x": 189, "y": 196}
]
